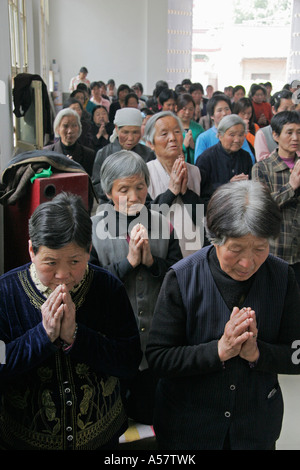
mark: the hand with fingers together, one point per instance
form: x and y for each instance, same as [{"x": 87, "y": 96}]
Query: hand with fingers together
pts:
[
  {"x": 178, "y": 177},
  {"x": 68, "y": 323},
  {"x": 239, "y": 337},
  {"x": 52, "y": 313},
  {"x": 139, "y": 247},
  {"x": 58, "y": 313}
]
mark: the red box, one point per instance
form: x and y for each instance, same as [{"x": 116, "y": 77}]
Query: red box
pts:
[{"x": 16, "y": 216}]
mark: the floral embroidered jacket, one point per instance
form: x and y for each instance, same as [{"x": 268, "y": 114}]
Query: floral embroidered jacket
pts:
[{"x": 53, "y": 399}]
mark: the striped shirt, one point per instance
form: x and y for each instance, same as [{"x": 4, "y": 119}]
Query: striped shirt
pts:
[{"x": 274, "y": 172}]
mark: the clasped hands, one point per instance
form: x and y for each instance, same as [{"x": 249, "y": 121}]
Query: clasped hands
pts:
[
  {"x": 239, "y": 337},
  {"x": 59, "y": 315},
  {"x": 139, "y": 247},
  {"x": 178, "y": 177}
]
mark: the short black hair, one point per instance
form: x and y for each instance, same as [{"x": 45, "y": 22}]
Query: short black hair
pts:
[
  {"x": 70, "y": 101},
  {"x": 196, "y": 86},
  {"x": 184, "y": 99},
  {"x": 282, "y": 118},
  {"x": 131, "y": 95},
  {"x": 167, "y": 94},
  {"x": 214, "y": 100},
  {"x": 284, "y": 94},
  {"x": 61, "y": 221}
]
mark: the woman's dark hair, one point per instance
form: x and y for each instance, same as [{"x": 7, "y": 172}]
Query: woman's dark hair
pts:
[
  {"x": 254, "y": 88},
  {"x": 78, "y": 90},
  {"x": 138, "y": 86},
  {"x": 238, "y": 88},
  {"x": 167, "y": 94},
  {"x": 184, "y": 99},
  {"x": 83, "y": 87},
  {"x": 61, "y": 221},
  {"x": 241, "y": 105},
  {"x": 123, "y": 87},
  {"x": 70, "y": 101},
  {"x": 94, "y": 85},
  {"x": 214, "y": 100},
  {"x": 196, "y": 86},
  {"x": 282, "y": 118},
  {"x": 280, "y": 95},
  {"x": 131, "y": 95},
  {"x": 186, "y": 81},
  {"x": 146, "y": 112},
  {"x": 159, "y": 87}
]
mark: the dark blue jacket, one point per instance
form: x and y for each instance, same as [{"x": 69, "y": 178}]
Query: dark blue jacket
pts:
[{"x": 200, "y": 400}]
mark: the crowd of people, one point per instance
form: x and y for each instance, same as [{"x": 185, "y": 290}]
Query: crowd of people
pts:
[{"x": 175, "y": 301}]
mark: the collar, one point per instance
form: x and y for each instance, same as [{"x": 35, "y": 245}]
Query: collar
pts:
[
  {"x": 46, "y": 291},
  {"x": 278, "y": 163}
]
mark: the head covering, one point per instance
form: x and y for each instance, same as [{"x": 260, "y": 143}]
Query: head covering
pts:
[{"x": 126, "y": 117}]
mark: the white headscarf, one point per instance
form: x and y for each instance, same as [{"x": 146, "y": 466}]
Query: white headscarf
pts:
[{"x": 126, "y": 117}]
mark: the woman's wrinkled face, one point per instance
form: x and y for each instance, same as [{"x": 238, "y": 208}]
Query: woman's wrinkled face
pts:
[
  {"x": 240, "y": 258},
  {"x": 288, "y": 140},
  {"x": 100, "y": 116},
  {"x": 65, "y": 265},
  {"x": 233, "y": 139},
  {"x": 68, "y": 130},
  {"x": 129, "y": 194},
  {"x": 168, "y": 138},
  {"x": 128, "y": 136}
]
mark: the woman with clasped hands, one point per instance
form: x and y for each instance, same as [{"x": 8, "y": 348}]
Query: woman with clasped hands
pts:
[
  {"x": 138, "y": 246},
  {"x": 70, "y": 336},
  {"x": 223, "y": 329},
  {"x": 174, "y": 183}
]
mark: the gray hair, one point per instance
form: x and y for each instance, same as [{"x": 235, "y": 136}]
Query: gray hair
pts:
[
  {"x": 149, "y": 132},
  {"x": 122, "y": 164},
  {"x": 229, "y": 121},
  {"x": 66, "y": 112},
  {"x": 241, "y": 208}
]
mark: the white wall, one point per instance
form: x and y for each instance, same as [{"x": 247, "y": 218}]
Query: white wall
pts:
[{"x": 121, "y": 39}]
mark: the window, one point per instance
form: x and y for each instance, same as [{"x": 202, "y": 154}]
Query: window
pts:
[
  {"x": 44, "y": 6},
  {"x": 18, "y": 36},
  {"x": 260, "y": 76}
]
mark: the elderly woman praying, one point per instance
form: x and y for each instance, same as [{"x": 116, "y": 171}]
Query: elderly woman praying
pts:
[
  {"x": 225, "y": 325},
  {"x": 174, "y": 183},
  {"x": 138, "y": 246},
  {"x": 226, "y": 161}
]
